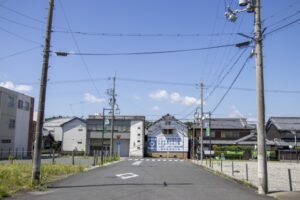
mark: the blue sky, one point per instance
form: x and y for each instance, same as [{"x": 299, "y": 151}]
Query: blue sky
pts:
[{"x": 22, "y": 25}]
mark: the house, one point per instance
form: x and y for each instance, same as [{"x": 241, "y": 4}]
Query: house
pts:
[
  {"x": 128, "y": 135},
  {"x": 284, "y": 131},
  {"x": 68, "y": 133},
  {"x": 227, "y": 131},
  {"x": 167, "y": 137},
  {"x": 16, "y": 122}
]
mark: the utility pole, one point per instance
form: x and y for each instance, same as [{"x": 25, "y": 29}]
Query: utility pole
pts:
[
  {"x": 201, "y": 132},
  {"x": 113, "y": 101},
  {"x": 193, "y": 140},
  {"x": 42, "y": 99},
  {"x": 260, "y": 103}
]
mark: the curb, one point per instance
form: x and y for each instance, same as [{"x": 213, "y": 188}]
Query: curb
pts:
[{"x": 98, "y": 166}]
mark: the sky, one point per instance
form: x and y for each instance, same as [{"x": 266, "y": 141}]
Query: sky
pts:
[{"x": 151, "y": 84}]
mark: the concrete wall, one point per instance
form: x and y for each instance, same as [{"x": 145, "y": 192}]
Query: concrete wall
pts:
[
  {"x": 136, "y": 139},
  {"x": 74, "y": 136}
]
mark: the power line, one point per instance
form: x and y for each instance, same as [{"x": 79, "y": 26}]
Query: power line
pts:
[
  {"x": 19, "y": 36},
  {"x": 145, "y": 52},
  {"x": 284, "y": 19},
  {"x": 19, "y": 52},
  {"x": 155, "y": 82},
  {"x": 21, "y": 24},
  {"x": 282, "y": 27},
  {"x": 22, "y": 14},
  {"x": 234, "y": 80},
  {"x": 226, "y": 74},
  {"x": 78, "y": 49},
  {"x": 103, "y": 34},
  {"x": 282, "y": 9}
]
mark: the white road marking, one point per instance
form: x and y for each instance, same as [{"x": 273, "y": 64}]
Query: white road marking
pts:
[
  {"x": 137, "y": 162},
  {"x": 158, "y": 160},
  {"x": 147, "y": 159},
  {"x": 165, "y": 160},
  {"x": 129, "y": 159},
  {"x": 175, "y": 160},
  {"x": 142, "y": 159},
  {"x": 170, "y": 160},
  {"x": 127, "y": 175},
  {"x": 153, "y": 160},
  {"x": 136, "y": 159},
  {"x": 181, "y": 160}
]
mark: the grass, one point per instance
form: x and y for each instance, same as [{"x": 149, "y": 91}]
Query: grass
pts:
[{"x": 16, "y": 177}]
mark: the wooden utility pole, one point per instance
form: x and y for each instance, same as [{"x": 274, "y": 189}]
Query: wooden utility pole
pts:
[
  {"x": 42, "y": 99},
  {"x": 260, "y": 103}
]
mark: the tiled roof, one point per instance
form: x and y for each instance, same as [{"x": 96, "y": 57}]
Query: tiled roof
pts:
[
  {"x": 227, "y": 123},
  {"x": 285, "y": 123}
]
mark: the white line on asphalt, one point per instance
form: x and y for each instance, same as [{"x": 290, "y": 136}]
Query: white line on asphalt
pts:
[
  {"x": 137, "y": 162},
  {"x": 147, "y": 159},
  {"x": 164, "y": 160},
  {"x": 153, "y": 160},
  {"x": 127, "y": 175},
  {"x": 175, "y": 160},
  {"x": 170, "y": 160},
  {"x": 136, "y": 159},
  {"x": 158, "y": 160},
  {"x": 130, "y": 159},
  {"x": 181, "y": 160}
]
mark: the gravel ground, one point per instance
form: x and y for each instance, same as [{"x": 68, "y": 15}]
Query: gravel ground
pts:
[{"x": 277, "y": 173}]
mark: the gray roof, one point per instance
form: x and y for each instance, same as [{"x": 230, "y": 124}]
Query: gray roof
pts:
[
  {"x": 228, "y": 123},
  {"x": 59, "y": 121},
  {"x": 285, "y": 123}
]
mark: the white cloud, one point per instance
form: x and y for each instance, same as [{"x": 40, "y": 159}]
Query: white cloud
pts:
[
  {"x": 159, "y": 94},
  {"x": 19, "y": 88},
  {"x": 235, "y": 113},
  {"x": 174, "y": 98},
  {"x": 156, "y": 108},
  {"x": 88, "y": 97},
  {"x": 136, "y": 97}
]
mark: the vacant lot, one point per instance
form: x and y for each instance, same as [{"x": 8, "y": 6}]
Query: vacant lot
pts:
[{"x": 277, "y": 172}]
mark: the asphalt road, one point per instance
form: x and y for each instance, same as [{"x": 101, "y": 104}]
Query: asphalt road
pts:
[{"x": 144, "y": 180}]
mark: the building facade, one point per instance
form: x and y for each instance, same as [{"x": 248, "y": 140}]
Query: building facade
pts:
[
  {"x": 16, "y": 123},
  {"x": 167, "y": 137},
  {"x": 67, "y": 133},
  {"x": 128, "y": 136}
]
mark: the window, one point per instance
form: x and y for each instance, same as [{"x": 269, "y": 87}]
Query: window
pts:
[
  {"x": 6, "y": 141},
  {"x": 138, "y": 134},
  {"x": 80, "y": 129},
  {"x": 138, "y": 147},
  {"x": 12, "y": 123},
  {"x": 26, "y": 105},
  {"x": 20, "y": 104},
  {"x": 139, "y": 141},
  {"x": 79, "y": 142},
  {"x": 138, "y": 127},
  {"x": 11, "y": 102},
  {"x": 167, "y": 131}
]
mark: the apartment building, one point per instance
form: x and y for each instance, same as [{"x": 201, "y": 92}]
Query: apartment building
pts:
[{"x": 16, "y": 123}]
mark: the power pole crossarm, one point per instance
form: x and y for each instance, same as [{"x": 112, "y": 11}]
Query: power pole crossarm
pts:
[{"x": 42, "y": 99}]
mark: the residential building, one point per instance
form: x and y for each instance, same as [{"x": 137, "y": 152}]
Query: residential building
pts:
[
  {"x": 16, "y": 122},
  {"x": 128, "y": 135},
  {"x": 167, "y": 137},
  {"x": 67, "y": 133},
  {"x": 285, "y": 133}
]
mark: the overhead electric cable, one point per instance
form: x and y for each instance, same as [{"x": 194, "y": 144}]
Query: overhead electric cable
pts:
[
  {"x": 78, "y": 49},
  {"x": 20, "y": 24},
  {"x": 143, "y": 53},
  {"x": 234, "y": 80},
  {"x": 282, "y": 27},
  {"x": 20, "y": 52},
  {"x": 19, "y": 36}
]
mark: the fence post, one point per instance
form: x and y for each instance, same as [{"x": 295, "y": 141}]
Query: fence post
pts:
[
  {"x": 9, "y": 152},
  {"x": 16, "y": 153},
  {"x": 290, "y": 180},
  {"x": 22, "y": 155},
  {"x": 94, "y": 159},
  {"x": 73, "y": 159},
  {"x": 1, "y": 153},
  {"x": 206, "y": 161},
  {"x": 232, "y": 169},
  {"x": 221, "y": 165},
  {"x": 53, "y": 156},
  {"x": 247, "y": 178}
]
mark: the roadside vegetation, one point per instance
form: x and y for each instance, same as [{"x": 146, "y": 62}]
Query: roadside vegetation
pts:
[{"x": 15, "y": 177}]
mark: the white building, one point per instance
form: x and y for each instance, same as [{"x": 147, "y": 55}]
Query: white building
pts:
[
  {"x": 16, "y": 123},
  {"x": 70, "y": 133},
  {"x": 128, "y": 134},
  {"x": 167, "y": 137}
]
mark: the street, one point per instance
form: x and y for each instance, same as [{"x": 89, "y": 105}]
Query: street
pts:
[{"x": 137, "y": 179}]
